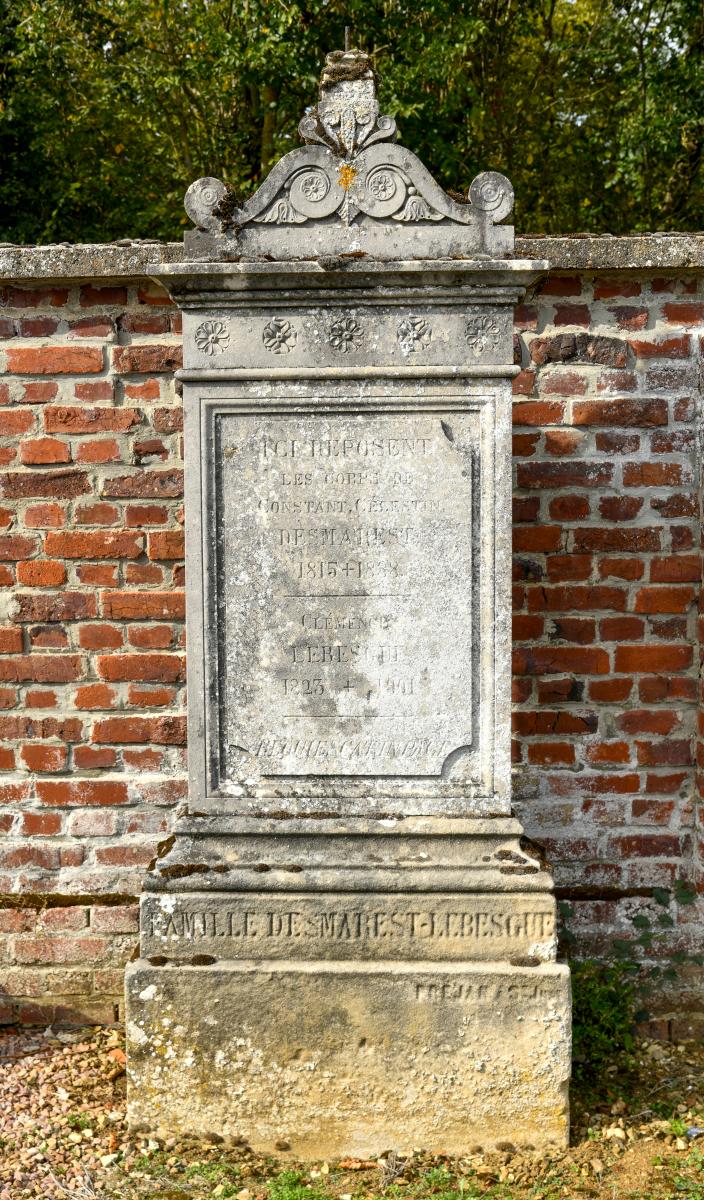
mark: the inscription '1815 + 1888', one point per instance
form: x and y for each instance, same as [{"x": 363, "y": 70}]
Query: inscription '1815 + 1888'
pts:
[{"x": 346, "y": 578}]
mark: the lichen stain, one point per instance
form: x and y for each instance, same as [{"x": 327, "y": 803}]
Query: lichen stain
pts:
[{"x": 347, "y": 176}]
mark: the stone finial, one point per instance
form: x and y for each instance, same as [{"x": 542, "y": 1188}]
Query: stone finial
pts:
[
  {"x": 347, "y": 116},
  {"x": 354, "y": 190}
]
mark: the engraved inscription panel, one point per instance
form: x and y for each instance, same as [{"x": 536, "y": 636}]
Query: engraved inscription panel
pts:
[
  {"x": 332, "y": 927},
  {"x": 345, "y": 584}
]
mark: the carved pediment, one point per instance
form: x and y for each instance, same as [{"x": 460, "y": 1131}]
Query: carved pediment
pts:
[{"x": 350, "y": 175}]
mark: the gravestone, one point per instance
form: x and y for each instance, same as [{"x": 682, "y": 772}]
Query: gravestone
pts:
[{"x": 346, "y": 946}]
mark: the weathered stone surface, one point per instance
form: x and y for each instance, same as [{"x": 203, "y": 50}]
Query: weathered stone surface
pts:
[
  {"x": 346, "y": 945},
  {"x": 349, "y": 926},
  {"x": 352, "y": 1058}
]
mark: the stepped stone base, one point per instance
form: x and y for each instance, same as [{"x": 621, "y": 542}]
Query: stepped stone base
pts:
[{"x": 351, "y": 1058}]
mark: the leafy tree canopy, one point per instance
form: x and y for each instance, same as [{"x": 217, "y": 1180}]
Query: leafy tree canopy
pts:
[{"x": 110, "y": 108}]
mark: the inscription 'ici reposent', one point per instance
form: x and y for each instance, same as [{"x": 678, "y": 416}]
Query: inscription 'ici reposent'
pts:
[{"x": 346, "y": 944}]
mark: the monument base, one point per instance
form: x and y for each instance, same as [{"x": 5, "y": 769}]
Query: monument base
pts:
[{"x": 325, "y": 1060}]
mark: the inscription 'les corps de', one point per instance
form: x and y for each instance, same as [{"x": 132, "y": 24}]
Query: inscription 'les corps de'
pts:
[{"x": 348, "y": 639}]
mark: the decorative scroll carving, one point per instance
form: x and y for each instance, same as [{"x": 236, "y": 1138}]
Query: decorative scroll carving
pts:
[{"x": 349, "y": 167}]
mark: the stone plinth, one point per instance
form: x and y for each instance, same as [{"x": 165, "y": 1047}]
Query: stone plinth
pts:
[{"x": 346, "y": 945}]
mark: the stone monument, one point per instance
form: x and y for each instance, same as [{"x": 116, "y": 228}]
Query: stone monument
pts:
[{"x": 345, "y": 946}]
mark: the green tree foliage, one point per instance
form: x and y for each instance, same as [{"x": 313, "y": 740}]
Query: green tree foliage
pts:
[{"x": 110, "y": 108}]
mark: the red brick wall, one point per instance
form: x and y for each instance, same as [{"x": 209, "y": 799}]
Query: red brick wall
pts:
[{"x": 607, "y": 572}]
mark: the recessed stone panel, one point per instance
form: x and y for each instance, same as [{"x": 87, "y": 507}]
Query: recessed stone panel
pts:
[{"x": 345, "y": 557}]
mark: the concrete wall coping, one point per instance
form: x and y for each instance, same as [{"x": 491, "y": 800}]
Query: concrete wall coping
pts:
[{"x": 130, "y": 258}]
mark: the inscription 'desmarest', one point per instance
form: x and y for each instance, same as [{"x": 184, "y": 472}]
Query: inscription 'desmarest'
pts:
[
  {"x": 352, "y": 925},
  {"x": 346, "y": 565}
]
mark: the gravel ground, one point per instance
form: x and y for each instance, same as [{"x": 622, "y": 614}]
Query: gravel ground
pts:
[{"x": 63, "y": 1134}]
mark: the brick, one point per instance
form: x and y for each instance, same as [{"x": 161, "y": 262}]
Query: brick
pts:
[
  {"x": 561, "y": 442},
  {"x": 44, "y": 758},
  {"x": 572, "y": 314},
  {"x": 581, "y": 348},
  {"x": 164, "y": 668},
  {"x": 650, "y": 845},
  {"x": 121, "y": 918},
  {"x": 548, "y": 660},
  {"x": 671, "y": 753},
  {"x": 100, "y": 513},
  {"x": 98, "y": 451},
  {"x": 672, "y": 347},
  {"x": 125, "y": 855},
  {"x": 166, "y": 545},
  {"x": 139, "y": 606},
  {"x": 525, "y": 628},
  {"x": 92, "y": 296},
  {"x": 639, "y": 720},
  {"x": 558, "y": 475},
  {"x": 540, "y": 539},
  {"x": 563, "y": 383},
  {"x": 84, "y": 419},
  {"x": 166, "y": 731},
  {"x": 621, "y": 568},
  {"x": 621, "y": 412},
  {"x": 644, "y": 659},
  {"x": 33, "y": 297},
  {"x": 99, "y": 326},
  {"x": 84, "y": 792},
  {"x": 18, "y": 485},
  {"x": 44, "y": 516},
  {"x": 617, "y": 443},
  {"x": 150, "y": 697},
  {"x": 675, "y": 505},
  {"x": 38, "y": 393},
  {"x": 551, "y": 752},
  {"x": 139, "y": 515},
  {"x": 569, "y": 566},
  {"x": 609, "y": 752},
  {"x": 620, "y": 508},
  {"x": 55, "y": 360},
  {"x": 561, "y": 285},
  {"x": 524, "y": 444},
  {"x": 664, "y": 599},
  {"x": 683, "y": 312},
  {"x": 572, "y": 629},
  {"x": 41, "y": 668},
  {"x": 609, "y": 691},
  {"x": 149, "y": 389},
  {"x": 10, "y": 640},
  {"x": 15, "y": 546},
  {"x": 58, "y": 949},
  {"x": 14, "y": 421},
  {"x": 90, "y": 758},
  {"x": 146, "y": 360},
  {"x": 47, "y": 637},
  {"x": 682, "y": 568},
  {"x": 99, "y": 637},
  {"x": 569, "y": 508},
  {"x": 539, "y": 412},
  {"x": 621, "y": 629},
  {"x": 41, "y": 573},
  {"x": 103, "y": 544},
  {"x": 525, "y": 508},
  {"x": 630, "y": 316},
  {"x": 666, "y": 784},
  {"x": 57, "y": 606},
  {"x": 97, "y": 574},
  {"x": 94, "y": 390},
  {"x": 575, "y": 598},
  {"x": 95, "y": 696},
  {"x": 635, "y": 540},
  {"x": 523, "y": 384},
  {"x": 145, "y": 484},
  {"x": 167, "y": 420},
  {"x": 606, "y": 289},
  {"x": 647, "y": 474}
]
